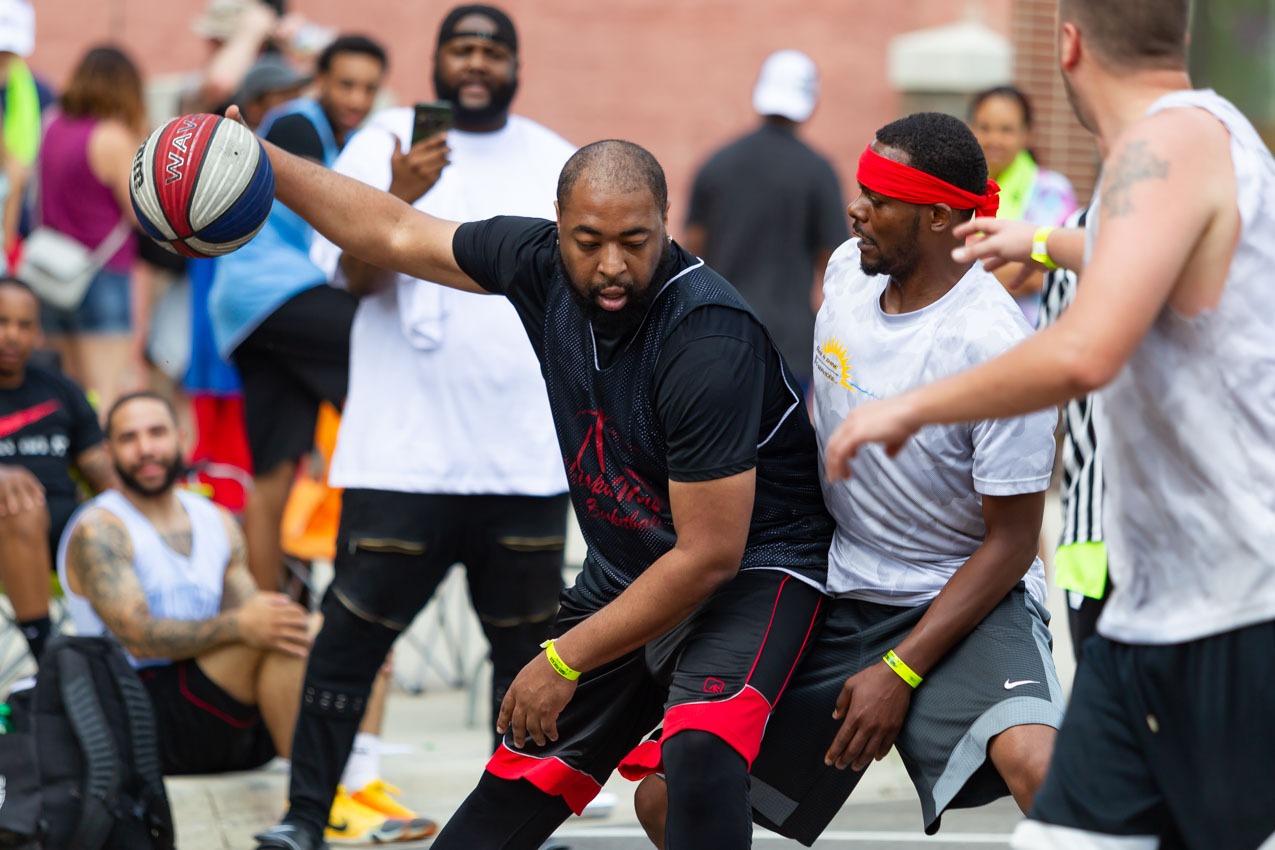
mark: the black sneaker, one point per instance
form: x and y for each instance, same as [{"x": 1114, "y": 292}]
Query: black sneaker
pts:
[{"x": 288, "y": 836}]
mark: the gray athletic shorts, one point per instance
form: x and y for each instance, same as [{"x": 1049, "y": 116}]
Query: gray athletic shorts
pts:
[{"x": 1000, "y": 675}]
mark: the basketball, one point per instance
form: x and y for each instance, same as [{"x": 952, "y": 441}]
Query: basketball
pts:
[{"x": 201, "y": 185}]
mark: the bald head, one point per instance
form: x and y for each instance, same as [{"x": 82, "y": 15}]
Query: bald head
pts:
[
  {"x": 1133, "y": 34},
  {"x": 614, "y": 167}
]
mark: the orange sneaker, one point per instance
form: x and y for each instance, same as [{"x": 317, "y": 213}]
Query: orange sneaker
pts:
[{"x": 379, "y": 795}]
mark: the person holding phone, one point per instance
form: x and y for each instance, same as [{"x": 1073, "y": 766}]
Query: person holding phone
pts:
[{"x": 438, "y": 381}]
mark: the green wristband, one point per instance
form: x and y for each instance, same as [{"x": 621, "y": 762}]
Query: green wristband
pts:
[{"x": 905, "y": 672}]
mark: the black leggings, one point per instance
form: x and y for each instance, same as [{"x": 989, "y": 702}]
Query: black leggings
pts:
[{"x": 707, "y": 792}]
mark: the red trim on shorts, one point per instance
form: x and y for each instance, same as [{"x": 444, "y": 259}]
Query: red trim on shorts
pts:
[
  {"x": 739, "y": 721},
  {"x": 551, "y": 775},
  {"x": 809, "y": 631},
  {"x": 762, "y": 646},
  {"x": 211, "y": 709}
]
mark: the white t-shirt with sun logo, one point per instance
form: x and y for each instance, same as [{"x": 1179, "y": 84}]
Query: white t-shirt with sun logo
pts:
[{"x": 906, "y": 524}]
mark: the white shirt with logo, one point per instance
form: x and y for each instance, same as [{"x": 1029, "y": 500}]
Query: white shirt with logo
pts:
[
  {"x": 906, "y": 524},
  {"x": 446, "y": 394}
]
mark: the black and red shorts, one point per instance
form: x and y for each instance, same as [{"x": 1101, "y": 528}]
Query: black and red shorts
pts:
[
  {"x": 720, "y": 671},
  {"x": 203, "y": 729}
]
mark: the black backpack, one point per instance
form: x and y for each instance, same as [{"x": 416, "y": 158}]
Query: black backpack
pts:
[{"x": 92, "y": 730}]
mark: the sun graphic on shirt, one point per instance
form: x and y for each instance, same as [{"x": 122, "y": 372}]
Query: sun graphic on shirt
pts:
[{"x": 835, "y": 364}]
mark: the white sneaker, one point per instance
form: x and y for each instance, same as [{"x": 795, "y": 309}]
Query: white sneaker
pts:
[{"x": 600, "y": 806}]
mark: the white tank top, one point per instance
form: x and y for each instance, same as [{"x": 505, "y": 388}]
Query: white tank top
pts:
[
  {"x": 1188, "y": 432},
  {"x": 177, "y": 586}
]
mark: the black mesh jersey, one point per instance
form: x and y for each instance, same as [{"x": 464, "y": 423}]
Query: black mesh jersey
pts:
[{"x": 609, "y": 421}]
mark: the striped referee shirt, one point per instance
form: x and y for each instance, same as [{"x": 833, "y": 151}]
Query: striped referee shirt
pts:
[{"x": 1082, "y": 460}]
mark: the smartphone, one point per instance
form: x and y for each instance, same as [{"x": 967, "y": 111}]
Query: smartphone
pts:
[{"x": 430, "y": 119}]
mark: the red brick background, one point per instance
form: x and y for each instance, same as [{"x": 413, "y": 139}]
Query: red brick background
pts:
[
  {"x": 673, "y": 75},
  {"x": 1058, "y": 139}
]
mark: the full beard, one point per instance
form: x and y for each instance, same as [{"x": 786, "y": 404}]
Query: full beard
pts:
[
  {"x": 172, "y": 471},
  {"x": 497, "y": 106}
]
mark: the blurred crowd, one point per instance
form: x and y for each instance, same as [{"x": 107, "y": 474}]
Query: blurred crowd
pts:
[
  {"x": 142, "y": 321},
  {"x": 253, "y": 351}
]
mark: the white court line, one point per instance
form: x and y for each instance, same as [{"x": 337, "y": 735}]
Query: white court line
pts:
[{"x": 857, "y": 836}]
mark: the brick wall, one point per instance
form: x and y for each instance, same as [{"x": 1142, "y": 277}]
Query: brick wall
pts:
[
  {"x": 1058, "y": 139},
  {"x": 674, "y": 75}
]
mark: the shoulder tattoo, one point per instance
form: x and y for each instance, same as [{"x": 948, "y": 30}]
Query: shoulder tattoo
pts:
[{"x": 1136, "y": 164}]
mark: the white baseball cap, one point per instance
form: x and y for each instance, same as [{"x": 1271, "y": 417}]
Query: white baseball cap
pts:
[
  {"x": 17, "y": 27},
  {"x": 788, "y": 85}
]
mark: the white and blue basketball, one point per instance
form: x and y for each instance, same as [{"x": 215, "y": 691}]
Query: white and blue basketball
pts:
[{"x": 202, "y": 186}]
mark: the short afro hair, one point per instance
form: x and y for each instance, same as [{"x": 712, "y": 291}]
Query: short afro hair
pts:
[
  {"x": 351, "y": 44},
  {"x": 941, "y": 146},
  {"x": 618, "y": 165}
]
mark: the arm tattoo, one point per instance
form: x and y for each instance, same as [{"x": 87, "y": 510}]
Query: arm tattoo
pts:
[
  {"x": 1135, "y": 165},
  {"x": 239, "y": 584},
  {"x": 100, "y": 556}
]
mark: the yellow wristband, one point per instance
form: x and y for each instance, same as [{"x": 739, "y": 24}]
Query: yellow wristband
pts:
[
  {"x": 1040, "y": 247},
  {"x": 564, "y": 670},
  {"x": 905, "y": 672}
]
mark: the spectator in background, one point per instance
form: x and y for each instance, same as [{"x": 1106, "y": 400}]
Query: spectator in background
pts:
[
  {"x": 85, "y": 160},
  {"x": 1001, "y": 118},
  {"x": 274, "y": 314},
  {"x": 164, "y": 571},
  {"x": 46, "y": 426},
  {"x": 23, "y": 99},
  {"x": 271, "y": 82},
  {"x": 1080, "y": 564},
  {"x": 766, "y": 210},
  {"x": 439, "y": 380},
  {"x": 237, "y": 31}
]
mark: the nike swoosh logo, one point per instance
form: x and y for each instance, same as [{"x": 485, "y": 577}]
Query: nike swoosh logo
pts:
[
  {"x": 1009, "y": 686},
  {"x": 17, "y": 421},
  {"x": 339, "y": 827}
]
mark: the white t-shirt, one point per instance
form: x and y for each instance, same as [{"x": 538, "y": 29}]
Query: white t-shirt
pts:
[
  {"x": 906, "y": 524},
  {"x": 445, "y": 391}
]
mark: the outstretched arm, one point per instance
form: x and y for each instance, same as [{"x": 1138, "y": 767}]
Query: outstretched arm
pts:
[
  {"x": 374, "y": 226},
  {"x": 1166, "y": 183},
  {"x": 1003, "y": 244}
]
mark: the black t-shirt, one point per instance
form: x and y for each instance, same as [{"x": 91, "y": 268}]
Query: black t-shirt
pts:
[
  {"x": 768, "y": 204},
  {"x": 44, "y": 425},
  {"x": 696, "y": 392},
  {"x": 711, "y": 379},
  {"x": 296, "y": 135}
]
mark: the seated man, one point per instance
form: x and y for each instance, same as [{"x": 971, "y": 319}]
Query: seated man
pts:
[
  {"x": 165, "y": 571},
  {"x": 936, "y": 641},
  {"x": 46, "y": 427}
]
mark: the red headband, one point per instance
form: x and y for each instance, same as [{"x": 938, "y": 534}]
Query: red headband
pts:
[{"x": 896, "y": 180}]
